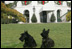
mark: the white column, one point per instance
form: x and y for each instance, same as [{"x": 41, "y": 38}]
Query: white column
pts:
[
  {"x": 38, "y": 17},
  {"x": 37, "y": 14},
  {"x": 55, "y": 13},
  {"x": 30, "y": 16},
  {"x": 19, "y": 4},
  {"x": 48, "y": 17}
]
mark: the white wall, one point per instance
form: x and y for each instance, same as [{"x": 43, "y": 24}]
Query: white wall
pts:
[{"x": 51, "y": 6}]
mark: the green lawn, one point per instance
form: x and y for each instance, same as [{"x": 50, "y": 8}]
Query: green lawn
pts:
[{"x": 59, "y": 32}]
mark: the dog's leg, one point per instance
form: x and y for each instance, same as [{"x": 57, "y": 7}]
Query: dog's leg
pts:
[
  {"x": 34, "y": 42},
  {"x": 43, "y": 45},
  {"x": 24, "y": 46}
]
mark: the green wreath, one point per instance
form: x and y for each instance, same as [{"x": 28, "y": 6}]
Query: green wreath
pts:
[
  {"x": 40, "y": 2},
  {"x": 27, "y": 3},
  {"x": 23, "y": 3},
  {"x": 57, "y": 2}
]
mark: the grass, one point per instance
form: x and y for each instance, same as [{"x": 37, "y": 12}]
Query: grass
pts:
[{"x": 59, "y": 32}]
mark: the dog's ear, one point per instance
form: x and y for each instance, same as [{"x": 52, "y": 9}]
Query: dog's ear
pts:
[
  {"x": 22, "y": 34},
  {"x": 42, "y": 34},
  {"x": 26, "y": 32},
  {"x": 48, "y": 30},
  {"x": 44, "y": 30}
]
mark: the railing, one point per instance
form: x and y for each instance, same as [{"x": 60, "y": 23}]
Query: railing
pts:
[{"x": 64, "y": 14}]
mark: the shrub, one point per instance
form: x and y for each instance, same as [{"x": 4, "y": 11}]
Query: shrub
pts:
[
  {"x": 14, "y": 21},
  {"x": 6, "y": 21},
  {"x": 52, "y": 18},
  {"x": 68, "y": 16},
  {"x": 2, "y": 21},
  {"x": 4, "y": 18},
  {"x": 22, "y": 19},
  {"x": 5, "y": 11},
  {"x": 34, "y": 20},
  {"x": 9, "y": 5}
]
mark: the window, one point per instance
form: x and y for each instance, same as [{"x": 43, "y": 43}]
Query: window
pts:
[{"x": 69, "y": 4}]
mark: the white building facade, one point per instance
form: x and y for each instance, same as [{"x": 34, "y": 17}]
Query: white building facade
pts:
[{"x": 43, "y": 12}]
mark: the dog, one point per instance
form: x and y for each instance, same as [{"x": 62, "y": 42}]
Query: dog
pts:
[
  {"x": 46, "y": 41},
  {"x": 29, "y": 40}
]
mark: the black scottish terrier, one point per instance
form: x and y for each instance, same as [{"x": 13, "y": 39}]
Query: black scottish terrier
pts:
[
  {"x": 29, "y": 40},
  {"x": 46, "y": 41}
]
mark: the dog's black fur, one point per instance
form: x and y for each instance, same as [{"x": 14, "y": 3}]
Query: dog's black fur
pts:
[
  {"x": 46, "y": 41},
  {"x": 29, "y": 40}
]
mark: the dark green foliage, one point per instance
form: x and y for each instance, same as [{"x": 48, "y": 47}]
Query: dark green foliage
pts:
[
  {"x": 52, "y": 18},
  {"x": 4, "y": 21},
  {"x": 4, "y": 18},
  {"x": 9, "y": 5},
  {"x": 14, "y": 21},
  {"x": 34, "y": 20},
  {"x": 7, "y": 11}
]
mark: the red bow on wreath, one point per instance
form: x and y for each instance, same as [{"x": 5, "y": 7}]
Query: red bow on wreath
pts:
[
  {"x": 25, "y": 2},
  {"x": 43, "y": 2},
  {"x": 60, "y": 2}
]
